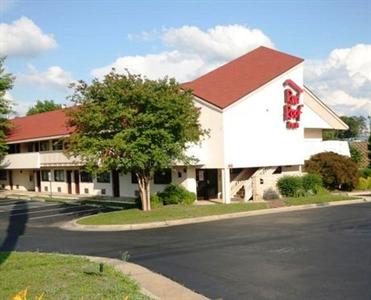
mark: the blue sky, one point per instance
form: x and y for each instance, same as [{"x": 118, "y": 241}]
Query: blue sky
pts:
[{"x": 79, "y": 39}]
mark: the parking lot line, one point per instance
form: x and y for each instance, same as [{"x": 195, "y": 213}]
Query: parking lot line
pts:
[
  {"x": 10, "y": 208},
  {"x": 63, "y": 214},
  {"x": 42, "y": 211}
]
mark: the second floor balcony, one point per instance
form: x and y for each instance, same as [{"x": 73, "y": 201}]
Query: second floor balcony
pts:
[{"x": 35, "y": 160}]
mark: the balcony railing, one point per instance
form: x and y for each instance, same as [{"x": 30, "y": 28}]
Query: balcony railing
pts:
[
  {"x": 28, "y": 160},
  {"x": 56, "y": 158},
  {"x": 314, "y": 147}
]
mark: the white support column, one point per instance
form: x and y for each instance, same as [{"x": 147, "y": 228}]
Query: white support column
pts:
[{"x": 226, "y": 186}]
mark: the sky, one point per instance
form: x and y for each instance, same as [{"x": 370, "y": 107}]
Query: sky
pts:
[{"x": 51, "y": 43}]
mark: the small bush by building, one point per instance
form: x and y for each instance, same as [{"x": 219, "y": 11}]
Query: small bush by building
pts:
[
  {"x": 337, "y": 171},
  {"x": 312, "y": 182},
  {"x": 365, "y": 172},
  {"x": 290, "y": 186},
  {"x": 175, "y": 194}
]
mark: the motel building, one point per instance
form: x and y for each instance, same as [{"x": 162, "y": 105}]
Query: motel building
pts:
[{"x": 263, "y": 123}]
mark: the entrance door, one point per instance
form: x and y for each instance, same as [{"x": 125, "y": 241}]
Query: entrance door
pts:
[
  {"x": 11, "y": 179},
  {"x": 207, "y": 183},
  {"x": 38, "y": 180},
  {"x": 69, "y": 181},
  {"x": 115, "y": 183},
  {"x": 76, "y": 175}
]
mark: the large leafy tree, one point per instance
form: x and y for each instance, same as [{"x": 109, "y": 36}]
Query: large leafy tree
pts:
[
  {"x": 43, "y": 106},
  {"x": 6, "y": 83},
  {"x": 132, "y": 124},
  {"x": 356, "y": 125}
]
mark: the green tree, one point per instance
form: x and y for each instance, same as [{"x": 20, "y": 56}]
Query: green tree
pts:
[
  {"x": 355, "y": 154},
  {"x": 356, "y": 125},
  {"x": 132, "y": 124},
  {"x": 43, "y": 106},
  {"x": 6, "y": 83}
]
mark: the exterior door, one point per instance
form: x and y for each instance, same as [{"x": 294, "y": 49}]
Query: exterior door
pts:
[
  {"x": 38, "y": 180},
  {"x": 115, "y": 183},
  {"x": 76, "y": 175},
  {"x": 207, "y": 183},
  {"x": 11, "y": 179},
  {"x": 69, "y": 181}
]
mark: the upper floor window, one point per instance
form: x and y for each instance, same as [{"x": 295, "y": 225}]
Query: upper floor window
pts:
[
  {"x": 57, "y": 144},
  {"x": 44, "y": 146},
  {"x": 14, "y": 148},
  {"x": 3, "y": 174},
  {"x": 86, "y": 177},
  {"x": 30, "y": 147}
]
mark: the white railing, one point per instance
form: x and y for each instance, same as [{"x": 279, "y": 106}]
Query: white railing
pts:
[
  {"x": 56, "y": 158},
  {"x": 238, "y": 182},
  {"x": 28, "y": 160},
  {"x": 314, "y": 147}
]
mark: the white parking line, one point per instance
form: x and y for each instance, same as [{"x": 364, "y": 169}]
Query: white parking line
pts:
[
  {"x": 42, "y": 211},
  {"x": 10, "y": 208},
  {"x": 65, "y": 214}
]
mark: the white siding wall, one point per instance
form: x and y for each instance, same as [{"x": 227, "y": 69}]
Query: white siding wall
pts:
[
  {"x": 255, "y": 133},
  {"x": 210, "y": 153}
]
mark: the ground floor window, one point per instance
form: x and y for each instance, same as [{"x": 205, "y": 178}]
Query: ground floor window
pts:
[
  {"x": 163, "y": 177},
  {"x": 45, "y": 175},
  {"x": 3, "y": 174},
  {"x": 86, "y": 177},
  {"x": 104, "y": 177},
  {"x": 59, "y": 175}
]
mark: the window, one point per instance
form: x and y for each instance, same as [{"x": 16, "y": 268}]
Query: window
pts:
[
  {"x": 163, "y": 177},
  {"x": 44, "y": 146},
  {"x": 45, "y": 175},
  {"x": 86, "y": 177},
  {"x": 14, "y": 148},
  {"x": 30, "y": 147},
  {"x": 104, "y": 177},
  {"x": 3, "y": 174},
  {"x": 134, "y": 178},
  {"x": 59, "y": 175},
  {"x": 57, "y": 145}
]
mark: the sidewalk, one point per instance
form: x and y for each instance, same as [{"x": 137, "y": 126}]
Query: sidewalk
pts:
[
  {"x": 152, "y": 284},
  {"x": 74, "y": 226}
]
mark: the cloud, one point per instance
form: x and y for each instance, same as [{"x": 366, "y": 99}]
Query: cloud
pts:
[
  {"x": 343, "y": 79},
  {"x": 54, "y": 77},
  {"x": 190, "y": 51},
  {"x": 24, "y": 38}
]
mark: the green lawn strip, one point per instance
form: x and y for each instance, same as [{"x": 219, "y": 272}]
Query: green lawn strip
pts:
[
  {"x": 170, "y": 212},
  {"x": 317, "y": 199},
  {"x": 62, "y": 277}
]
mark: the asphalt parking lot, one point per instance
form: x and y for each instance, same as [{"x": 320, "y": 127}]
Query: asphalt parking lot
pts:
[{"x": 43, "y": 213}]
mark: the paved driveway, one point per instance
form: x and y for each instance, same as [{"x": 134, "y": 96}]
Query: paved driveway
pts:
[{"x": 313, "y": 254}]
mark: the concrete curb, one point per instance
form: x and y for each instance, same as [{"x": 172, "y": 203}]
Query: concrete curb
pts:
[
  {"x": 74, "y": 226},
  {"x": 152, "y": 284}
]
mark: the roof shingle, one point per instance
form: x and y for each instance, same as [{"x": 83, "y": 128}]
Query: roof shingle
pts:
[{"x": 236, "y": 79}]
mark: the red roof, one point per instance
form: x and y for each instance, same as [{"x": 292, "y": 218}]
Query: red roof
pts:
[
  {"x": 41, "y": 125},
  {"x": 236, "y": 79}
]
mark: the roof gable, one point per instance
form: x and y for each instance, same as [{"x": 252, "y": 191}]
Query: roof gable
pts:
[
  {"x": 42, "y": 125},
  {"x": 238, "y": 78}
]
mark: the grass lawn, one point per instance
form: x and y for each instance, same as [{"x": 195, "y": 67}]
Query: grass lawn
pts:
[
  {"x": 170, "y": 212},
  {"x": 62, "y": 277},
  {"x": 317, "y": 199},
  {"x": 174, "y": 212}
]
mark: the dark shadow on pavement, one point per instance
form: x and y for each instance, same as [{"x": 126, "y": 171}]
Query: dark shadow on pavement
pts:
[{"x": 16, "y": 227}]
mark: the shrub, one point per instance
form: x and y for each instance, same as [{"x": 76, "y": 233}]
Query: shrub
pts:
[
  {"x": 175, "y": 194},
  {"x": 270, "y": 194},
  {"x": 365, "y": 172},
  {"x": 290, "y": 186},
  {"x": 311, "y": 182},
  {"x": 362, "y": 184},
  {"x": 156, "y": 201},
  {"x": 337, "y": 171}
]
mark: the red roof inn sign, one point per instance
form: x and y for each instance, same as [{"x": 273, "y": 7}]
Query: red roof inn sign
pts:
[{"x": 292, "y": 108}]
